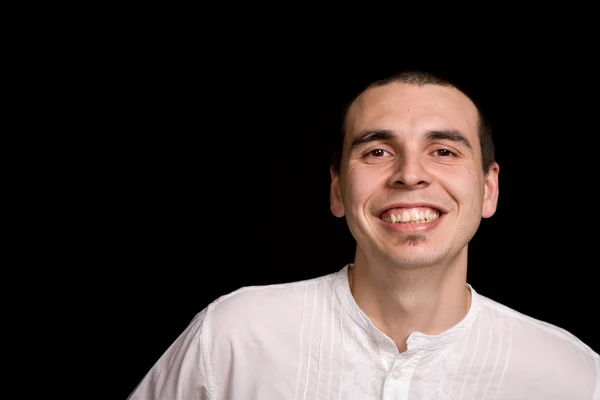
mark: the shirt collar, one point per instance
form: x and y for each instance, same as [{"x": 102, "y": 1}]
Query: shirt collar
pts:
[{"x": 416, "y": 340}]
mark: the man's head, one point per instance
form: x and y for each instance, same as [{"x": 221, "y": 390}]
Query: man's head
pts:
[
  {"x": 421, "y": 78},
  {"x": 416, "y": 172}
]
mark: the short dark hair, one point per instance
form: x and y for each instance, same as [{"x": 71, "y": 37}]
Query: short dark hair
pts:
[{"x": 420, "y": 78}]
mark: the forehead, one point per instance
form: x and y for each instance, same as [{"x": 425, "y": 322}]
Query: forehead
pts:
[{"x": 408, "y": 109}]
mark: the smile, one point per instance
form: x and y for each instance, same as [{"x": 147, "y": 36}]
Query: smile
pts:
[{"x": 417, "y": 215}]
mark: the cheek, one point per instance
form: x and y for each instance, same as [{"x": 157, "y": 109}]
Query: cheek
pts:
[
  {"x": 473, "y": 189},
  {"x": 359, "y": 188},
  {"x": 465, "y": 185}
]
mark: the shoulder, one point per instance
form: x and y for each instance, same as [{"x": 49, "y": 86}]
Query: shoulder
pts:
[
  {"x": 541, "y": 348},
  {"x": 251, "y": 325},
  {"x": 263, "y": 306},
  {"x": 537, "y": 333}
]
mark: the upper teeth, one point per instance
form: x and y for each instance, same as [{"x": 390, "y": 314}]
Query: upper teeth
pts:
[{"x": 412, "y": 215}]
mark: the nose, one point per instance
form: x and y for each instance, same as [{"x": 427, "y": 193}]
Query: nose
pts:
[{"x": 410, "y": 172}]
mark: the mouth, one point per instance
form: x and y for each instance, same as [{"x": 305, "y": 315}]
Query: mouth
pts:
[{"x": 411, "y": 215}]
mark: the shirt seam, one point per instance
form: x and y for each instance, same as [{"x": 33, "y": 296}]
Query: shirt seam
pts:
[
  {"x": 596, "y": 395},
  {"x": 206, "y": 361}
]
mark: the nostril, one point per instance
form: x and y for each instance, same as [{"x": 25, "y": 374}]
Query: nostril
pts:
[{"x": 415, "y": 184}]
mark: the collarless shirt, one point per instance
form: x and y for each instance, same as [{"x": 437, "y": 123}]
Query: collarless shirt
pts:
[{"x": 310, "y": 340}]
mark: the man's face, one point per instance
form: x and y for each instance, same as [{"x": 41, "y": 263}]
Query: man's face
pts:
[{"x": 411, "y": 183}]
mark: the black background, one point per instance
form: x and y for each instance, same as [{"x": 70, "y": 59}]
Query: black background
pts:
[{"x": 248, "y": 201}]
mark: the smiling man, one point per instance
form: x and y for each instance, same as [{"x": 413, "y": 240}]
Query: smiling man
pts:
[
  {"x": 413, "y": 188},
  {"x": 414, "y": 175}
]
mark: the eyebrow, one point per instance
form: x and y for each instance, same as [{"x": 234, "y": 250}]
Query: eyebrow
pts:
[
  {"x": 369, "y": 136},
  {"x": 451, "y": 135}
]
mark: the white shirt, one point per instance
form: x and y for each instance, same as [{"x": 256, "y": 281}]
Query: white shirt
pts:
[{"x": 310, "y": 340}]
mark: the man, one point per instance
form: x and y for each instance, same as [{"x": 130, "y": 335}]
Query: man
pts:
[{"x": 415, "y": 176}]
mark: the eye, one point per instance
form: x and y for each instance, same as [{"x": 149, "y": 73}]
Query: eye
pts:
[
  {"x": 378, "y": 153},
  {"x": 444, "y": 153}
]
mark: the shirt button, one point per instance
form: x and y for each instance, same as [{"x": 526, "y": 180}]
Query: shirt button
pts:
[{"x": 396, "y": 374}]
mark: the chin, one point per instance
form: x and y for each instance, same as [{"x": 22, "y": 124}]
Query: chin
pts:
[{"x": 411, "y": 254}]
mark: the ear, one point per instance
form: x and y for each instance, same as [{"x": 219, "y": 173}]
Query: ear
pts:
[
  {"x": 335, "y": 198},
  {"x": 491, "y": 192}
]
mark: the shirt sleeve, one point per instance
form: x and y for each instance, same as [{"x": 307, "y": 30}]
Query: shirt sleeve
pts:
[{"x": 182, "y": 372}]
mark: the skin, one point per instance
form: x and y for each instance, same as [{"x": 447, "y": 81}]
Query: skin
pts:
[{"x": 412, "y": 277}]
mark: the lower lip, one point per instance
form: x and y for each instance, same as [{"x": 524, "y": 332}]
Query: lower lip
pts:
[{"x": 423, "y": 227}]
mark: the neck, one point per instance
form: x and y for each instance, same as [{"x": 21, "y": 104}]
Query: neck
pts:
[{"x": 400, "y": 301}]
